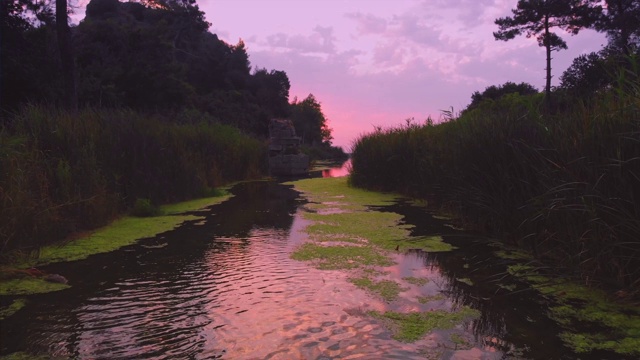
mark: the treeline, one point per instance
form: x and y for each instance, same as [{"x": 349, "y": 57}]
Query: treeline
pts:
[
  {"x": 164, "y": 111},
  {"x": 560, "y": 179},
  {"x": 151, "y": 56}
]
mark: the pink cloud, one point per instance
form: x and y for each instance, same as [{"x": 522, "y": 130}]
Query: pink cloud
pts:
[{"x": 368, "y": 24}]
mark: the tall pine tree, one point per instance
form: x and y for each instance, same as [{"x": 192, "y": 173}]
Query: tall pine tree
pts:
[{"x": 538, "y": 17}]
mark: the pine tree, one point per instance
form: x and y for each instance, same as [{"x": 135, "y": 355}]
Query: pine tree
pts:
[{"x": 538, "y": 17}]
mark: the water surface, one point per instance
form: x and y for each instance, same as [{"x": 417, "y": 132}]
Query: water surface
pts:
[{"x": 225, "y": 287}]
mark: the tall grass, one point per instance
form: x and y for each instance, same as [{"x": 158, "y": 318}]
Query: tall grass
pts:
[
  {"x": 565, "y": 186},
  {"x": 61, "y": 173}
]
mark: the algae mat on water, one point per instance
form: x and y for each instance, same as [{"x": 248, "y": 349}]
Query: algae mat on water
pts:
[
  {"x": 590, "y": 319},
  {"x": 343, "y": 213},
  {"x": 349, "y": 234},
  {"x": 122, "y": 232}
]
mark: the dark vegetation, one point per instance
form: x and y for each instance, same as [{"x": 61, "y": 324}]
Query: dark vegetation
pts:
[
  {"x": 561, "y": 180},
  {"x": 137, "y": 105}
]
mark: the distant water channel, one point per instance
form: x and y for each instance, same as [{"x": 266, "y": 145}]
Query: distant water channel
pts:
[{"x": 226, "y": 288}]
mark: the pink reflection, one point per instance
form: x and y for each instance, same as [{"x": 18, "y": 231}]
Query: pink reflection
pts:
[{"x": 343, "y": 170}]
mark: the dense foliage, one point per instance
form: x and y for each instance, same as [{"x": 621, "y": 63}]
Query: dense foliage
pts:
[
  {"x": 565, "y": 186},
  {"x": 65, "y": 172},
  {"x": 492, "y": 93},
  {"x": 168, "y": 111}
]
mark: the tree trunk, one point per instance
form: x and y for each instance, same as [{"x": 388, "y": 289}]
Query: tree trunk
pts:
[
  {"x": 66, "y": 56},
  {"x": 547, "y": 45}
]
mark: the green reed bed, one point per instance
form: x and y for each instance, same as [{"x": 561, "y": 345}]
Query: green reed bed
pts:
[
  {"x": 564, "y": 185},
  {"x": 62, "y": 173}
]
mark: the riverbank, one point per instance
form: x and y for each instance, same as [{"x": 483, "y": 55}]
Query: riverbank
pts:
[
  {"x": 565, "y": 186},
  {"x": 122, "y": 232},
  {"x": 66, "y": 173}
]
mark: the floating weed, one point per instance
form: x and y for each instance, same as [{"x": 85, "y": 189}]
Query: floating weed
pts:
[
  {"x": 433, "y": 243},
  {"x": 15, "y": 306},
  {"x": 415, "y": 280},
  {"x": 429, "y": 298},
  {"x": 465, "y": 281},
  {"x": 332, "y": 189},
  {"x": 377, "y": 227},
  {"x": 460, "y": 342},
  {"x": 26, "y": 356},
  {"x": 340, "y": 257},
  {"x": 380, "y": 228},
  {"x": 374, "y": 272},
  {"x": 28, "y": 286},
  {"x": 582, "y": 307},
  {"x": 387, "y": 289},
  {"x": 413, "y": 326}
]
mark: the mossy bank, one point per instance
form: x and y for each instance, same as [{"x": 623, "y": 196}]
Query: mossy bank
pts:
[{"x": 122, "y": 232}]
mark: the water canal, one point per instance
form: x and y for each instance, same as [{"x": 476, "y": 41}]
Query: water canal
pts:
[{"x": 226, "y": 287}]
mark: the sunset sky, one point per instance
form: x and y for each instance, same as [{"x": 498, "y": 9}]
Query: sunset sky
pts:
[{"x": 378, "y": 62}]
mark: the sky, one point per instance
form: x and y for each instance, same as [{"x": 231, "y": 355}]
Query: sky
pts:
[{"x": 378, "y": 62}]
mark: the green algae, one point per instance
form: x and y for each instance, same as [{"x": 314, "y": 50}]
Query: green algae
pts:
[
  {"x": 340, "y": 257},
  {"x": 465, "y": 281},
  {"x": 351, "y": 219},
  {"x": 122, "y": 232},
  {"x": 429, "y": 298},
  {"x": 21, "y": 355},
  {"x": 388, "y": 290},
  {"x": 460, "y": 342},
  {"x": 337, "y": 189},
  {"x": 28, "y": 286},
  {"x": 15, "y": 306},
  {"x": 415, "y": 280},
  {"x": 616, "y": 326},
  {"x": 409, "y": 327}
]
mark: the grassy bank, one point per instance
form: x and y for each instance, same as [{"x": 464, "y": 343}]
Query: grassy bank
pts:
[
  {"x": 62, "y": 173},
  {"x": 122, "y": 232},
  {"x": 564, "y": 186}
]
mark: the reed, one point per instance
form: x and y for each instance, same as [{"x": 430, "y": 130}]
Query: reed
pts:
[
  {"x": 61, "y": 172},
  {"x": 563, "y": 185}
]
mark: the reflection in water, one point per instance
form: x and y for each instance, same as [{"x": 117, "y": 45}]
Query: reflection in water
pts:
[
  {"x": 342, "y": 170},
  {"x": 226, "y": 288}
]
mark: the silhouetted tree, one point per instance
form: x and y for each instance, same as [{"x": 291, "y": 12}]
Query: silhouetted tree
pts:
[
  {"x": 620, "y": 20},
  {"x": 538, "y": 17},
  {"x": 310, "y": 122},
  {"x": 271, "y": 89},
  {"x": 495, "y": 92},
  {"x": 589, "y": 73},
  {"x": 66, "y": 55},
  {"x": 28, "y": 56}
]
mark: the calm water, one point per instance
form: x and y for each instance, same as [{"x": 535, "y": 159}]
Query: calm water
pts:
[{"x": 226, "y": 288}]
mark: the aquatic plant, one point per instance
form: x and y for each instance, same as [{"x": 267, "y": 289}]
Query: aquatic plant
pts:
[
  {"x": 12, "y": 308},
  {"x": 412, "y": 326},
  {"x": 340, "y": 257},
  {"x": 388, "y": 290},
  {"x": 416, "y": 281}
]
